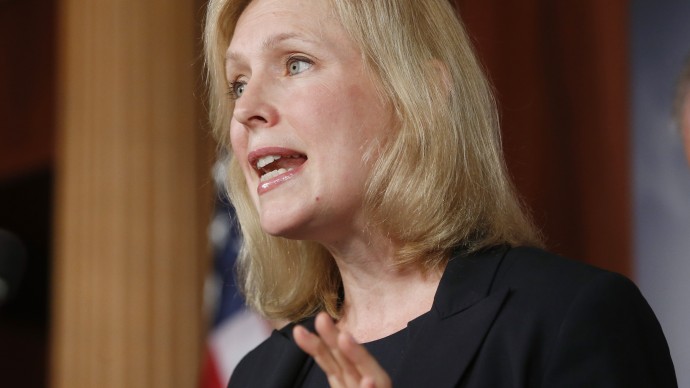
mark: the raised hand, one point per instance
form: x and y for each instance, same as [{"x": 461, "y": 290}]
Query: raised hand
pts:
[{"x": 346, "y": 363}]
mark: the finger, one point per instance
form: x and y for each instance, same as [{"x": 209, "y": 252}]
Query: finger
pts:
[
  {"x": 367, "y": 382},
  {"x": 327, "y": 330},
  {"x": 329, "y": 334},
  {"x": 315, "y": 347},
  {"x": 371, "y": 371}
]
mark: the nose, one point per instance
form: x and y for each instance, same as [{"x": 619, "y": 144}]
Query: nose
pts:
[{"x": 254, "y": 108}]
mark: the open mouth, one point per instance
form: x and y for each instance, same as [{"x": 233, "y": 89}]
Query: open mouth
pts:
[{"x": 271, "y": 166}]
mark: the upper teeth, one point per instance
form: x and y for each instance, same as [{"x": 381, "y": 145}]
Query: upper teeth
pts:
[{"x": 266, "y": 160}]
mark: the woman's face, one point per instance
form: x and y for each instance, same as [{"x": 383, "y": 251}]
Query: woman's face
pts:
[{"x": 306, "y": 112}]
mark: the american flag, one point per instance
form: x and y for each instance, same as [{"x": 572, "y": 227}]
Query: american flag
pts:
[{"x": 235, "y": 329}]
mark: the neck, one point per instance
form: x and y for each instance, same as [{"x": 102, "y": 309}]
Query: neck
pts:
[{"x": 380, "y": 298}]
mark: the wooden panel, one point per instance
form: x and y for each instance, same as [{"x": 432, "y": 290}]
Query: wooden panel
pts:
[{"x": 133, "y": 196}]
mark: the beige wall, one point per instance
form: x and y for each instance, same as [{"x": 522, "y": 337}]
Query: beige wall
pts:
[{"x": 133, "y": 195}]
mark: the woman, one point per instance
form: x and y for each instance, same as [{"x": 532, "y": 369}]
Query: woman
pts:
[{"x": 370, "y": 188}]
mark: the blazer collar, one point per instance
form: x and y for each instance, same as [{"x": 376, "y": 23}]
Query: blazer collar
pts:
[
  {"x": 450, "y": 331},
  {"x": 282, "y": 359},
  {"x": 464, "y": 309},
  {"x": 466, "y": 280}
]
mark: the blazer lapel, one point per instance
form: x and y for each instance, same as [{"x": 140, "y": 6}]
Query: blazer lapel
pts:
[
  {"x": 282, "y": 359},
  {"x": 464, "y": 309}
]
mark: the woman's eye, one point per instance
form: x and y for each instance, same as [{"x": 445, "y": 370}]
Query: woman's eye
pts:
[
  {"x": 237, "y": 89},
  {"x": 297, "y": 65}
]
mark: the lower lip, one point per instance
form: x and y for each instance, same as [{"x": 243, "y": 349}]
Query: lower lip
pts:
[{"x": 271, "y": 184}]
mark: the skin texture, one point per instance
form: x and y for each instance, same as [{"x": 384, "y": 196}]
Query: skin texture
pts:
[
  {"x": 300, "y": 86},
  {"x": 328, "y": 110},
  {"x": 346, "y": 363}
]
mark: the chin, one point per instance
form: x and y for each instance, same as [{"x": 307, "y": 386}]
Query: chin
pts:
[{"x": 281, "y": 225}]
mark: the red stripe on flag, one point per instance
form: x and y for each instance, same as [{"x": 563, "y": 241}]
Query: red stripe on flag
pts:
[{"x": 210, "y": 376}]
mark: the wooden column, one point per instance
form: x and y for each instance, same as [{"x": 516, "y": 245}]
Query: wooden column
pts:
[{"x": 133, "y": 195}]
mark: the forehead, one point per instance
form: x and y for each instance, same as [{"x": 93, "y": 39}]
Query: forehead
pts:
[{"x": 264, "y": 19}]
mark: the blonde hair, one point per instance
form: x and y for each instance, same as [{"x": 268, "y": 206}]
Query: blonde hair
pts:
[{"x": 440, "y": 184}]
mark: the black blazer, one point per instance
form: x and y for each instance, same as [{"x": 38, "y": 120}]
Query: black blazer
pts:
[{"x": 505, "y": 317}]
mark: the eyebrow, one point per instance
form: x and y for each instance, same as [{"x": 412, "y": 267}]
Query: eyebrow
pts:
[{"x": 269, "y": 43}]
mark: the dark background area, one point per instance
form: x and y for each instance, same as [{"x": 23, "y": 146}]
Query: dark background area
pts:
[
  {"x": 25, "y": 208},
  {"x": 27, "y": 126}
]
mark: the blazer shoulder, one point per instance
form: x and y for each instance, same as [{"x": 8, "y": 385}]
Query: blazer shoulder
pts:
[
  {"x": 597, "y": 328},
  {"x": 527, "y": 267},
  {"x": 546, "y": 290},
  {"x": 248, "y": 366}
]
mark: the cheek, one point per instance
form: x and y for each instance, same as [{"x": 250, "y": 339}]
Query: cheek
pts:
[
  {"x": 238, "y": 140},
  {"x": 344, "y": 117},
  {"x": 369, "y": 117},
  {"x": 337, "y": 109},
  {"x": 239, "y": 144}
]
